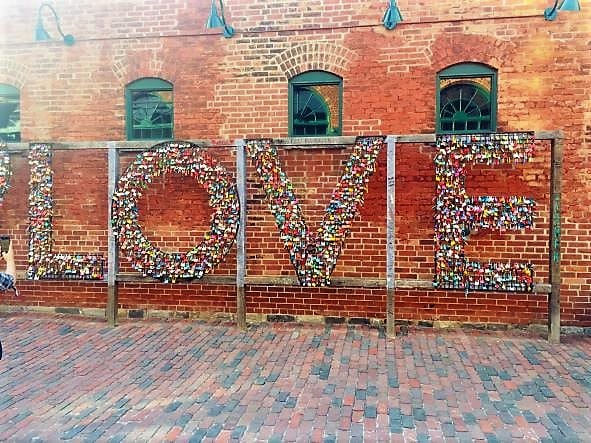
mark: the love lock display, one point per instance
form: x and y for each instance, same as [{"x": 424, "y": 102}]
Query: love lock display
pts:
[
  {"x": 43, "y": 263},
  {"x": 5, "y": 171},
  {"x": 314, "y": 255},
  {"x": 187, "y": 159},
  {"x": 457, "y": 214}
]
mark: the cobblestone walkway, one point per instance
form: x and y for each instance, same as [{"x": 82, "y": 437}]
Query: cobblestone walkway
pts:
[{"x": 70, "y": 379}]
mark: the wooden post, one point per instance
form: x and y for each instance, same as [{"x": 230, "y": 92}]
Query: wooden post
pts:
[
  {"x": 241, "y": 236},
  {"x": 391, "y": 236},
  {"x": 113, "y": 256},
  {"x": 555, "y": 211}
]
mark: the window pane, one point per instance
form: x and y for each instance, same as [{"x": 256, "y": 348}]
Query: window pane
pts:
[
  {"x": 312, "y": 113},
  {"x": 151, "y": 114},
  {"x": 309, "y": 106},
  {"x": 10, "y": 117},
  {"x": 316, "y": 108},
  {"x": 466, "y": 104}
]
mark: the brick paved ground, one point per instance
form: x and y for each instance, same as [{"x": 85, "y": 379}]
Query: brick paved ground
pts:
[{"x": 76, "y": 379}]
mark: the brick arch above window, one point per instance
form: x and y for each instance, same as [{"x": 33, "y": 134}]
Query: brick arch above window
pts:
[
  {"x": 314, "y": 56},
  {"x": 13, "y": 73},
  {"x": 144, "y": 64}
]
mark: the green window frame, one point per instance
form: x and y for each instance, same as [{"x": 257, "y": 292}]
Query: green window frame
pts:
[
  {"x": 315, "y": 104},
  {"x": 10, "y": 115},
  {"x": 149, "y": 110},
  {"x": 466, "y": 99}
]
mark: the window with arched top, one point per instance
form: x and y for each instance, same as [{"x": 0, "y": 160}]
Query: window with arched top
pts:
[
  {"x": 149, "y": 109},
  {"x": 10, "y": 114},
  {"x": 315, "y": 104},
  {"x": 466, "y": 99}
]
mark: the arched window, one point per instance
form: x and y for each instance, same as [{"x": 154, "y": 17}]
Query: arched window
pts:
[
  {"x": 315, "y": 104},
  {"x": 149, "y": 109},
  {"x": 467, "y": 99},
  {"x": 10, "y": 114}
]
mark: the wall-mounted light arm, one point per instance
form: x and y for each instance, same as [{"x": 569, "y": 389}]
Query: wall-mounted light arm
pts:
[
  {"x": 566, "y": 5},
  {"x": 392, "y": 16},
  {"x": 41, "y": 34},
  {"x": 216, "y": 20}
]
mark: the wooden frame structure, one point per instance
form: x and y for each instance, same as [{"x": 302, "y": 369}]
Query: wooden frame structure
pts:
[{"x": 390, "y": 283}]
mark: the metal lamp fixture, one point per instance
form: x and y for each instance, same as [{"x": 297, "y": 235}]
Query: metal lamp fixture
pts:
[
  {"x": 392, "y": 16},
  {"x": 41, "y": 34},
  {"x": 566, "y": 5},
  {"x": 216, "y": 20}
]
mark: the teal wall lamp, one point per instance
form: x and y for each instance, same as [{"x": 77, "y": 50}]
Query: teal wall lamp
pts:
[
  {"x": 566, "y": 5},
  {"x": 392, "y": 16},
  {"x": 42, "y": 35},
  {"x": 216, "y": 21}
]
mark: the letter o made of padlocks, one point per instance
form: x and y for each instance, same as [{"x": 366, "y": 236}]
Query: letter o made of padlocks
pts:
[{"x": 187, "y": 159}]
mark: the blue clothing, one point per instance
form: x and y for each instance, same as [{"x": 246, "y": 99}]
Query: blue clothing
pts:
[{"x": 7, "y": 282}]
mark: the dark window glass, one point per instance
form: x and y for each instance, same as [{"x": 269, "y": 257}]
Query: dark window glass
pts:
[
  {"x": 149, "y": 110},
  {"x": 465, "y": 107},
  {"x": 10, "y": 114},
  {"x": 315, "y": 104},
  {"x": 310, "y": 112},
  {"x": 466, "y": 99}
]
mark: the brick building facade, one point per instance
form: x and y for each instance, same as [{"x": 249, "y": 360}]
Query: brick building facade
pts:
[{"x": 224, "y": 89}]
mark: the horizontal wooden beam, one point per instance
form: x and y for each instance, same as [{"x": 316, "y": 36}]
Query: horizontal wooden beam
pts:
[
  {"x": 339, "y": 282},
  {"x": 287, "y": 143},
  {"x": 131, "y": 277}
]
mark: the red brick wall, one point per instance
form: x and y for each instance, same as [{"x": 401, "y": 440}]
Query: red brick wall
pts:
[{"x": 237, "y": 88}]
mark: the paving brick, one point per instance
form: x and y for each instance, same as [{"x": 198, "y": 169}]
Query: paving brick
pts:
[
  {"x": 407, "y": 421},
  {"x": 72, "y": 432},
  {"x": 171, "y": 407},
  {"x": 197, "y": 436},
  {"x": 118, "y": 438},
  {"x": 184, "y": 419},
  {"x": 419, "y": 414},
  {"x": 214, "y": 430},
  {"x": 370, "y": 412},
  {"x": 291, "y": 402},
  {"x": 448, "y": 430}
]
